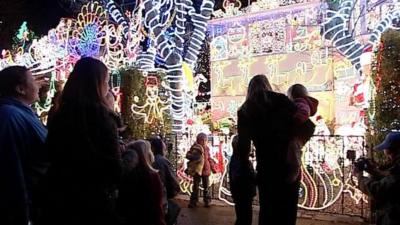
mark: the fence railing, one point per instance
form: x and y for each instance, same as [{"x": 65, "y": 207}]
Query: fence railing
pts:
[{"x": 326, "y": 186}]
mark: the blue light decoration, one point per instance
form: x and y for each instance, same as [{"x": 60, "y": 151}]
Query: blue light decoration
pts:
[
  {"x": 337, "y": 29},
  {"x": 117, "y": 16},
  {"x": 88, "y": 44},
  {"x": 169, "y": 45}
]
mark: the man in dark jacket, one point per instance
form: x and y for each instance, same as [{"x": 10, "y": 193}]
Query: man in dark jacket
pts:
[
  {"x": 168, "y": 179},
  {"x": 23, "y": 160},
  {"x": 383, "y": 186}
]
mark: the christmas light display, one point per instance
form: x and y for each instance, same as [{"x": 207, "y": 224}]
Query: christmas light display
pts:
[
  {"x": 172, "y": 50},
  {"x": 383, "y": 114},
  {"x": 162, "y": 24},
  {"x": 89, "y": 33},
  {"x": 337, "y": 29},
  {"x": 154, "y": 107},
  {"x": 118, "y": 17},
  {"x": 325, "y": 171},
  {"x": 287, "y": 45}
]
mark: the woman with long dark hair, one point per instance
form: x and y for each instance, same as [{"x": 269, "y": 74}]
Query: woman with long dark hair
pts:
[
  {"x": 85, "y": 161},
  {"x": 266, "y": 119}
]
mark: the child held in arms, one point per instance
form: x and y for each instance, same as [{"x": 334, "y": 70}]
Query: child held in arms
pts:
[
  {"x": 243, "y": 186},
  {"x": 304, "y": 128}
]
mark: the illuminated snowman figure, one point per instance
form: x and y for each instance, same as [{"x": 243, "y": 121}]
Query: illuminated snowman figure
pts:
[{"x": 154, "y": 106}]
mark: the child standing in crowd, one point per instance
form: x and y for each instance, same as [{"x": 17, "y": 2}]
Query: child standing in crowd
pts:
[
  {"x": 140, "y": 193},
  {"x": 306, "y": 107},
  {"x": 200, "y": 166},
  {"x": 243, "y": 186}
]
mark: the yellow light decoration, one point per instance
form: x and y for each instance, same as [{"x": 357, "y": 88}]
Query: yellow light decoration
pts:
[{"x": 188, "y": 73}]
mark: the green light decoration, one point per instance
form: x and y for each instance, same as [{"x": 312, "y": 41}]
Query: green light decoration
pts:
[
  {"x": 21, "y": 35},
  {"x": 22, "y": 38}
]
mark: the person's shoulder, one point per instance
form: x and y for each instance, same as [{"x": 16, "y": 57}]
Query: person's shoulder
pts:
[
  {"x": 154, "y": 177},
  {"x": 9, "y": 109},
  {"x": 245, "y": 107},
  {"x": 10, "y": 113},
  {"x": 159, "y": 159},
  {"x": 196, "y": 146},
  {"x": 277, "y": 95}
]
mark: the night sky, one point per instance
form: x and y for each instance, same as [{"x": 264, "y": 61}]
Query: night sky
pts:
[{"x": 41, "y": 16}]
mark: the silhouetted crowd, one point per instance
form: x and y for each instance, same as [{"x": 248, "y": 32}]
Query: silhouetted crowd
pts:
[{"x": 76, "y": 171}]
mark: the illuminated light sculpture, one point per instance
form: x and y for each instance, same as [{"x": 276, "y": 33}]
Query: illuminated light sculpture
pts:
[
  {"x": 114, "y": 55},
  {"x": 154, "y": 107},
  {"x": 171, "y": 50},
  {"x": 135, "y": 35},
  {"x": 118, "y": 17},
  {"x": 46, "y": 105},
  {"x": 291, "y": 51},
  {"x": 163, "y": 23},
  {"x": 337, "y": 29},
  {"x": 90, "y": 32}
]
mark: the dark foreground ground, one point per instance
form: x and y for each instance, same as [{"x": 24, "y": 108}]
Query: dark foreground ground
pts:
[{"x": 220, "y": 214}]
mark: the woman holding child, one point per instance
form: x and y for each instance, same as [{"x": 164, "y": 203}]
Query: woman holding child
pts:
[{"x": 268, "y": 119}]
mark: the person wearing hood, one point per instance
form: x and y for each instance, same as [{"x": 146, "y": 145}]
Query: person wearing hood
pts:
[
  {"x": 266, "y": 118},
  {"x": 23, "y": 159}
]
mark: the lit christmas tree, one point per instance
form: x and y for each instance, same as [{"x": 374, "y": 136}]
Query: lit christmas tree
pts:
[
  {"x": 385, "y": 109},
  {"x": 203, "y": 67}
]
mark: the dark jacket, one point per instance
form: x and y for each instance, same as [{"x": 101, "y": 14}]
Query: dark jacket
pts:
[
  {"x": 23, "y": 160},
  {"x": 168, "y": 178},
  {"x": 85, "y": 167},
  {"x": 242, "y": 179},
  {"x": 268, "y": 122},
  {"x": 140, "y": 198},
  {"x": 385, "y": 191}
]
